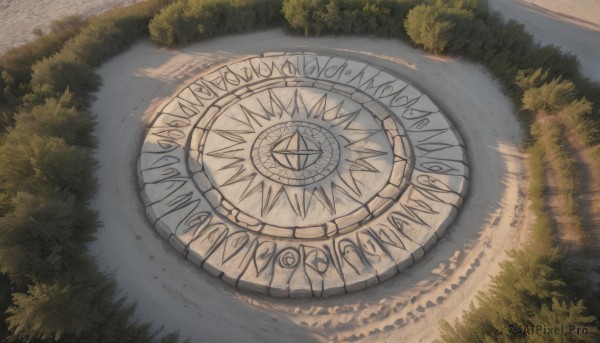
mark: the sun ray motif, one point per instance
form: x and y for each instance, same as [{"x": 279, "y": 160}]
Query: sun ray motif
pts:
[{"x": 297, "y": 151}]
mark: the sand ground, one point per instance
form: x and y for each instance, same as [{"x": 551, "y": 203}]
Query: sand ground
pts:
[{"x": 172, "y": 292}]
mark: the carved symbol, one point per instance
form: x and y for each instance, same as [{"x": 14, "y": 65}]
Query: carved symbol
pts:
[
  {"x": 263, "y": 256},
  {"x": 318, "y": 261},
  {"x": 288, "y": 258},
  {"x": 297, "y": 151}
]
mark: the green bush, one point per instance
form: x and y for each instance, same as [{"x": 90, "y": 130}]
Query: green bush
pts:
[
  {"x": 51, "y": 311},
  {"x": 17, "y": 62},
  {"x": 105, "y": 36},
  {"x": 57, "y": 118},
  {"x": 63, "y": 72},
  {"x": 427, "y": 27},
  {"x": 382, "y": 17},
  {"x": 111, "y": 32},
  {"x": 46, "y": 181},
  {"x": 527, "y": 291},
  {"x": 37, "y": 236},
  {"x": 301, "y": 15},
  {"x": 36, "y": 162},
  {"x": 186, "y": 21},
  {"x": 549, "y": 97}
]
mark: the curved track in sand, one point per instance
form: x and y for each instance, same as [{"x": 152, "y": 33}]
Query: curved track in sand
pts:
[{"x": 171, "y": 291}]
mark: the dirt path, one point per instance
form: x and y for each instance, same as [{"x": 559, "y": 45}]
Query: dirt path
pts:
[{"x": 588, "y": 200}]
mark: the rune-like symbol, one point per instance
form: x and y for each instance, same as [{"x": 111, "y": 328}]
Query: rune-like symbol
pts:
[{"x": 296, "y": 151}]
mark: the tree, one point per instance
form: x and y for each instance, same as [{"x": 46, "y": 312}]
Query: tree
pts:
[
  {"x": 37, "y": 236},
  {"x": 426, "y": 26},
  {"x": 171, "y": 27},
  {"x": 61, "y": 72},
  {"x": 57, "y": 118},
  {"x": 527, "y": 79},
  {"x": 35, "y": 162},
  {"x": 331, "y": 17},
  {"x": 300, "y": 14},
  {"x": 550, "y": 97},
  {"x": 564, "y": 314},
  {"x": 50, "y": 311}
]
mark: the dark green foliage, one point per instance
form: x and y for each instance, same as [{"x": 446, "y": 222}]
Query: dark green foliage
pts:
[
  {"x": 57, "y": 118},
  {"x": 428, "y": 27},
  {"x": 17, "y": 62},
  {"x": 105, "y": 36},
  {"x": 51, "y": 311},
  {"x": 528, "y": 291},
  {"x": 111, "y": 33},
  {"x": 549, "y": 97},
  {"x": 54, "y": 75},
  {"x": 5, "y": 300},
  {"x": 45, "y": 162},
  {"x": 35, "y": 161},
  {"x": 81, "y": 306},
  {"x": 46, "y": 182},
  {"x": 301, "y": 15},
  {"x": 380, "y": 17},
  {"x": 37, "y": 235},
  {"x": 190, "y": 20}
]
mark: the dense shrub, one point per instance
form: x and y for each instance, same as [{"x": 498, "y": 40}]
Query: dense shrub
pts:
[
  {"x": 105, "y": 36},
  {"x": 189, "y": 20},
  {"x": 381, "y": 17},
  {"x": 57, "y": 118},
  {"x": 52, "y": 76},
  {"x": 301, "y": 14},
  {"x": 428, "y": 27},
  {"x": 528, "y": 291},
  {"x": 111, "y": 33},
  {"x": 17, "y": 62},
  {"x": 46, "y": 182},
  {"x": 37, "y": 236},
  {"x": 549, "y": 97}
]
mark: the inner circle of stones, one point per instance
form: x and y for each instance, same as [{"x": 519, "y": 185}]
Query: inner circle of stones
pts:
[
  {"x": 180, "y": 200},
  {"x": 341, "y": 224},
  {"x": 263, "y": 154}
]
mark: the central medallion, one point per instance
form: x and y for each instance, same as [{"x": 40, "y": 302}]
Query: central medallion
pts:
[
  {"x": 295, "y": 153},
  {"x": 297, "y": 161}
]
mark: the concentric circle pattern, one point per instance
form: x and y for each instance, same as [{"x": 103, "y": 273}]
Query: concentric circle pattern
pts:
[{"x": 301, "y": 175}]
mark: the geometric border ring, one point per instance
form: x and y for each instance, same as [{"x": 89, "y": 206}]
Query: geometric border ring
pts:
[{"x": 301, "y": 175}]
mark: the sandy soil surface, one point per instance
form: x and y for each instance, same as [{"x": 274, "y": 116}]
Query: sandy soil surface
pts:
[
  {"x": 561, "y": 28},
  {"x": 170, "y": 291},
  {"x": 19, "y": 17}
]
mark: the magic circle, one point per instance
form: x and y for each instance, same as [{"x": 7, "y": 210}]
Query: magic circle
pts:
[{"x": 301, "y": 175}]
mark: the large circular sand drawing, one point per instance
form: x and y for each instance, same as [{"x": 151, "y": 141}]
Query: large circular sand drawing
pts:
[{"x": 301, "y": 175}]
